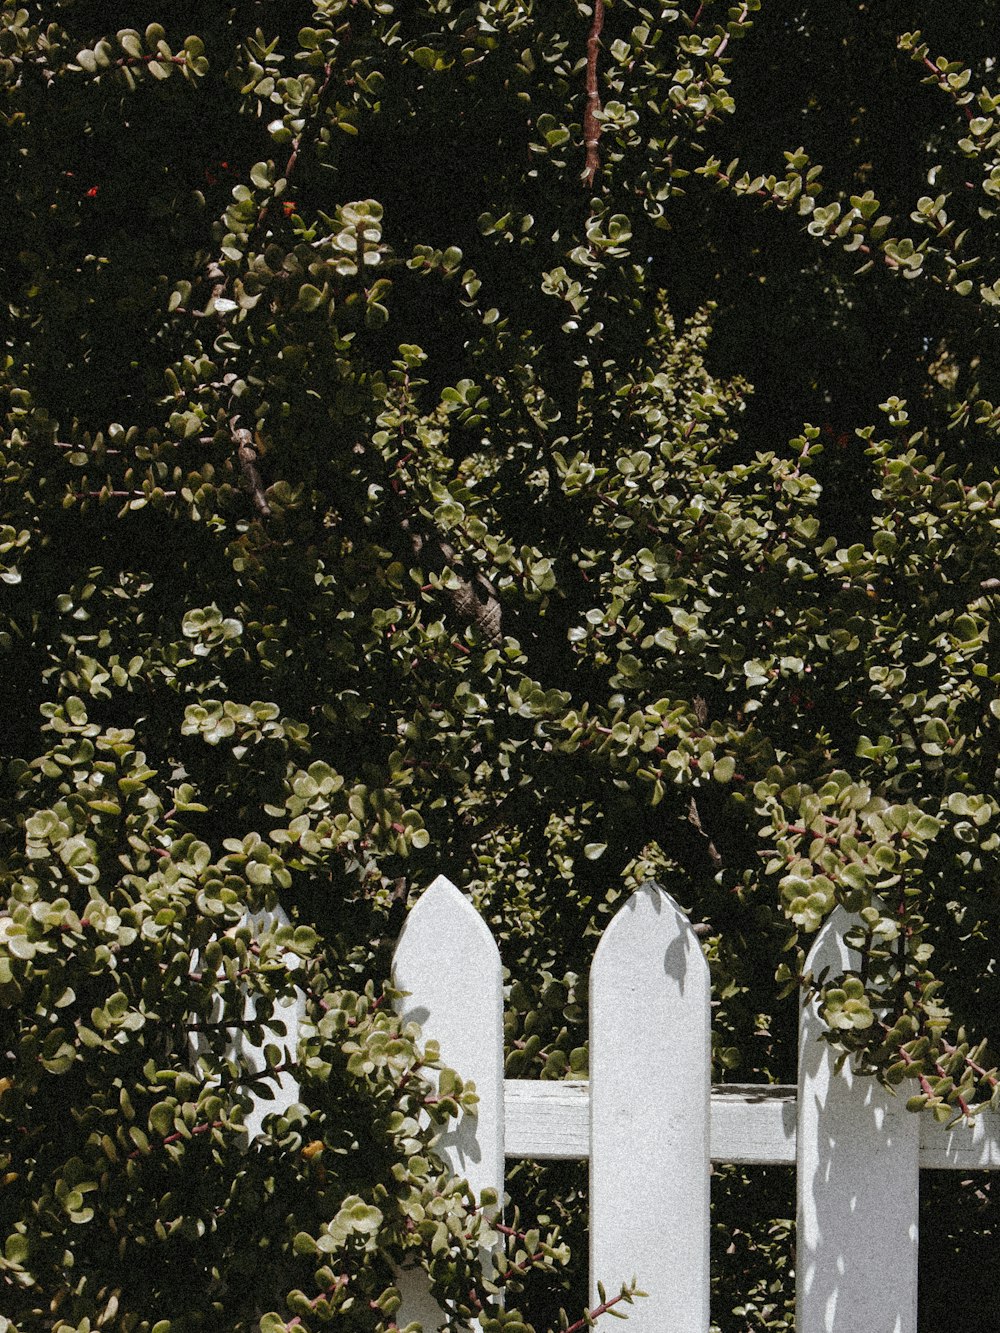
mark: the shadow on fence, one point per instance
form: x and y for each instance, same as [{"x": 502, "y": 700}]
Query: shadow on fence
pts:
[{"x": 650, "y": 1124}]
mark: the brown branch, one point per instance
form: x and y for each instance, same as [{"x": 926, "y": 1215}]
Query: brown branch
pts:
[
  {"x": 134, "y": 61},
  {"x": 247, "y": 456},
  {"x": 694, "y": 819},
  {"x": 473, "y": 598},
  {"x": 591, "y": 125},
  {"x": 297, "y": 142},
  {"x": 976, "y": 1068}
]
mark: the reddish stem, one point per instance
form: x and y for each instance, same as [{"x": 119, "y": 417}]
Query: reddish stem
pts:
[
  {"x": 595, "y": 1313},
  {"x": 942, "y": 81},
  {"x": 174, "y": 1138},
  {"x": 725, "y": 41}
]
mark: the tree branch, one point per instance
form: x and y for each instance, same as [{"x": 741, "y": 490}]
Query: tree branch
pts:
[
  {"x": 591, "y": 125},
  {"x": 247, "y": 456},
  {"x": 474, "y": 596}
]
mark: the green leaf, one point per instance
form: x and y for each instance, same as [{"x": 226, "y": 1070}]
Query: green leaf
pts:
[
  {"x": 310, "y": 297},
  {"x": 161, "y": 1118},
  {"x": 724, "y": 768}
]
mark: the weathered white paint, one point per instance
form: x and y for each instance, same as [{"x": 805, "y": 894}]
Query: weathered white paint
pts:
[
  {"x": 856, "y": 1147},
  {"x": 449, "y": 964},
  {"x": 752, "y": 1124},
  {"x": 961, "y": 1147},
  {"x": 284, "y": 1087},
  {"x": 858, "y": 1183},
  {"x": 546, "y": 1121},
  {"x": 649, "y": 1114}
]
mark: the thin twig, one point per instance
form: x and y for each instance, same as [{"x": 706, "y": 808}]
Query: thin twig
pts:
[
  {"x": 595, "y": 1313},
  {"x": 293, "y": 156}
]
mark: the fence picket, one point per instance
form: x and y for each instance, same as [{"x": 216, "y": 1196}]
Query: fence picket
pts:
[
  {"x": 649, "y": 1086},
  {"x": 448, "y": 962},
  {"x": 858, "y": 1181},
  {"x": 643, "y": 1120},
  {"x": 284, "y": 1086}
]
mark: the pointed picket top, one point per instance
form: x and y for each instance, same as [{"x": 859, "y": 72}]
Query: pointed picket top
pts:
[
  {"x": 858, "y": 1174},
  {"x": 650, "y": 1044},
  {"x": 449, "y": 964}
]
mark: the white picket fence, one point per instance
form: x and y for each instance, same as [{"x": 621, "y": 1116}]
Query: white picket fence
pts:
[{"x": 650, "y": 1123}]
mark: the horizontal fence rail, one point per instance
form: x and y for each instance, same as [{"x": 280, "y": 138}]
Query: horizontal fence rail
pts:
[
  {"x": 751, "y": 1124},
  {"x": 650, "y": 1125}
]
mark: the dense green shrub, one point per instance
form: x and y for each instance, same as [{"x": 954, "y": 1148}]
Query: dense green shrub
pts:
[{"x": 374, "y": 505}]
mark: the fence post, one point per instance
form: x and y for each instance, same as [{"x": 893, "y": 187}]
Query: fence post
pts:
[
  {"x": 284, "y": 1086},
  {"x": 650, "y": 1045},
  {"x": 448, "y": 962},
  {"x": 858, "y": 1182}
]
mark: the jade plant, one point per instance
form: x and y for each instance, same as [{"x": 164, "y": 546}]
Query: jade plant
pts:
[{"x": 376, "y": 504}]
